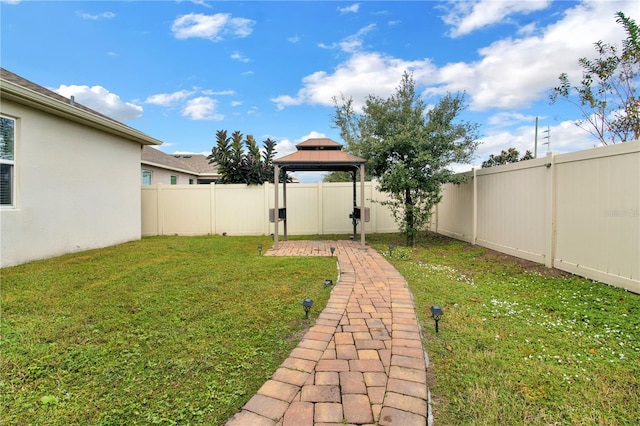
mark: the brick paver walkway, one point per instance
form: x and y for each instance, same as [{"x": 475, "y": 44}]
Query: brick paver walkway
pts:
[{"x": 361, "y": 363}]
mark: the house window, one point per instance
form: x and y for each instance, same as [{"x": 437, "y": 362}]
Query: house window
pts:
[
  {"x": 7, "y": 160},
  {"x": 174, "y": 180},
  {"x": 190, "y": 181},
  {"x": 146, "y": 177}
]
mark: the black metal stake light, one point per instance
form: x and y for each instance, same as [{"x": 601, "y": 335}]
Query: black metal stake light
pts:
[
  {"x": 390, "y": 250},
  {"x": 328, "y": 283},
  {"x": 332, "y": 250},
  {"x": 260, "y": 250},
  {"x": 436, "y": 313},
  {"x": 307, "y": 304}
]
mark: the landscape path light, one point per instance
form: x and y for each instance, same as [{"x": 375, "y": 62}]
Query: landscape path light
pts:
[
  {"x": 328, "y": 283},
  {"x": 307, "y": 304},
  {"x": 390, "y": 250},
  {"x": 436, "y": 313},
  {"x": 260, "y": 250},
  {"x": 332, "y": 250}
]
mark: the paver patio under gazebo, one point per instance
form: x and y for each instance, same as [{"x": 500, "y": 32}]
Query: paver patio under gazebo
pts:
[{"x": 362, "y": 361}]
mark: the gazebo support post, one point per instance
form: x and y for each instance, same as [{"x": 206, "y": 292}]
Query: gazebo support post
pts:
[
  {"x": 354, "y": 221},
  {"x": 276, "y": 179},
  {"x": 362, "y": 242},
  {"x": 284, "y": 201}
]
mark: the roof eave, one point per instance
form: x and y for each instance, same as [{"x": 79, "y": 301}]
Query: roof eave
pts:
[
  {"x": 15, "y": 92},
  {"x": 167, "y": 167}
]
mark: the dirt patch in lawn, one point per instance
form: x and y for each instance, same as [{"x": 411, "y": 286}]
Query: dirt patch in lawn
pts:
[{"x": 496, "y": 256}]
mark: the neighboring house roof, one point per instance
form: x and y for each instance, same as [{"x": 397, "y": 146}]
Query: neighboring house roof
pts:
[
  {"x": 199, "y": 163},
  {"x": 319, "y": 155},
  {"x": 195, "y": 164},
  {"x": 18, "y": 89}
]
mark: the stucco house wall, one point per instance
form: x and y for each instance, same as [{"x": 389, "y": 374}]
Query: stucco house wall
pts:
[{"x": 77, "y": 185}]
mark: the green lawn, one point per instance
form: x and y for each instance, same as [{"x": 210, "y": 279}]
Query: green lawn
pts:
[
  {"x": 521, "y": 344},
  {"x": 184, "y": 330},
  {"x": 166, "y": 330}
]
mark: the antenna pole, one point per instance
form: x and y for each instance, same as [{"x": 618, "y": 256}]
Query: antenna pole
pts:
[{"x": 535, "y": 149}]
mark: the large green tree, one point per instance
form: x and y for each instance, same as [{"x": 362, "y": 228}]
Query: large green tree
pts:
[
  {"x": 607, "y": 96},
  {"x": 409, "y": 148}
]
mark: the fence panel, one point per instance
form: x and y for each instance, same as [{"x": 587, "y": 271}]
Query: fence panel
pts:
[
  {"x": 455, "y": 213},
  {"x": 303, "y": 209},
  {"x": 597, "y": 215},
  {"x": 150, "y": 211},
  {"x": 240, "y": 209},
  {"x": 191, "y": 210},
  {"x": 511, "y": 208}
]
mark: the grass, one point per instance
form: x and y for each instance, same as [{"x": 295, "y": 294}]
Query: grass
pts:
[
  {"x": 519, "y": 343},
  {"x": 165, "y": 330},
  {"x": 172, "y": 330}
]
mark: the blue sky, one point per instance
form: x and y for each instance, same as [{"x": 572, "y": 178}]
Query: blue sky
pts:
[{"x": 181, "y": 70}]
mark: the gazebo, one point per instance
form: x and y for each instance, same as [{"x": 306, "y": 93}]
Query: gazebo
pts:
[{"x": 312, "y": 155}]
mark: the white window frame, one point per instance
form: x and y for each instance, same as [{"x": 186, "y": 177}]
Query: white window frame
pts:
[
  {"x": 147, "y": 173},
  {"x": 12, "y": 163}
]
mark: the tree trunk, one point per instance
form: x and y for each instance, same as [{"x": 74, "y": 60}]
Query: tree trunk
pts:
[{"x": 408, "y": 217}]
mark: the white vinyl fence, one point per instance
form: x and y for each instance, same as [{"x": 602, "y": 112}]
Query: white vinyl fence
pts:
[
  {"x": 319, "y": 208},
  {"x": 578, "y": 212}
]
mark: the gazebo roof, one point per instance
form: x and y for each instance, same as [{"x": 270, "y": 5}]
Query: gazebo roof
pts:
[
  {"x": 319, "y": 154},
  {"x": 319, "y": 144}
]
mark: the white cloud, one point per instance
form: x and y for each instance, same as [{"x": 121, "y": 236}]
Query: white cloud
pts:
[
  {"x": 240, "y": 57},
  {"x": 508, "y": 119},
  {"x": 218, "y": 93},
  {"x": 356, "y": 78},
  {"x": 528, "y": 29},
  {"x": 351, "y": 43},
  {"x": 294, "y": 39},
  {"x": 212, "y": 27},
  {"x": 513, "y": 73},
  {"x": 236, "y": 103},
  {"x": 202, "y": 108},
  {"x": 166, "y": 99},
  {"x": 285, "y": 147},
  {"x": 350, "y": 9},
  {"x": 104, "y": 15},
  {"x": 467, "y": 16},
  {"x": 201, "y": 3},
  {"x": 100, "y": 99}
]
